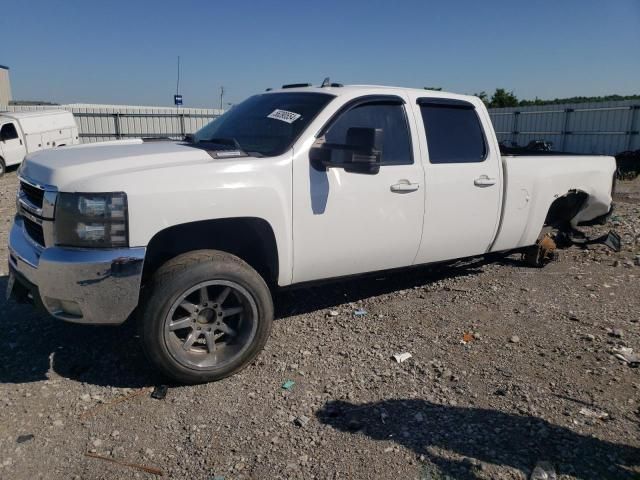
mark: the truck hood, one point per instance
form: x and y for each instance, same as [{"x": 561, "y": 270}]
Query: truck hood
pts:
[{"x": 62, "y": 167}]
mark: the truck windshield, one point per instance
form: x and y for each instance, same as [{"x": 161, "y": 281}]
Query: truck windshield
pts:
[{"x": 266, "y": 124}]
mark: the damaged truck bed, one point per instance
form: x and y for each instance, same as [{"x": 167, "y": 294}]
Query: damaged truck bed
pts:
[{"x": 559, "y": 193}]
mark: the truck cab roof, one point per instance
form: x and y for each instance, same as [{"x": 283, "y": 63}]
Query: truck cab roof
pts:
[{"x": 357, "y": 90}]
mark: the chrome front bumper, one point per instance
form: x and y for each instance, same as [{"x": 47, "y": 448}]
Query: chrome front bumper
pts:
[{"x": 78, "y": 285}]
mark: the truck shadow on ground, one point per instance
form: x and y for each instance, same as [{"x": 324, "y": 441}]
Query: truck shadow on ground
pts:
[
  {"x": 35, "y": 346},
  {"x": 469, "y": 435},
  {"x": 300, "y": 300}
]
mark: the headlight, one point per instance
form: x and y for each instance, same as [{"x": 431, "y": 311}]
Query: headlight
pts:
[{"x": 92, "y": 220}]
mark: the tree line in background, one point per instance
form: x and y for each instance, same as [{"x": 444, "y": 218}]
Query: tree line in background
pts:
[{"x": 502, "y": 98}]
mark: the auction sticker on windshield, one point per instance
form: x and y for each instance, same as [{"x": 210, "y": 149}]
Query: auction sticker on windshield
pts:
[{"x": 284, "y": 115}]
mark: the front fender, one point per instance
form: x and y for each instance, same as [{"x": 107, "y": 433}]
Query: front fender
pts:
[{"x": 247, "y": 187}]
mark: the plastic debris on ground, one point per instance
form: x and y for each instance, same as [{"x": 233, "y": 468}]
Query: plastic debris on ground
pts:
[
  {"x": 301, "y": 421},
  {"x": 627, "y": 356},
  {"x": 25, "y": 438},
  {"x": 587, "y": 412},
  {"x": 360, "y": 312},
  {"x": 333, "y": 313},
  {"x": 467, "y": 337},
  {"x": 402, "y": 357},
  {"x": 159, "y": 392},
  {"x": 288, "y": 385},
  {"x": 543, "y": 471}
]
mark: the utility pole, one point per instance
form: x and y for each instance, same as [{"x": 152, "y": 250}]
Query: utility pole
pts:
[
  {"x": 221, "y": 97},
  {"x": 178, "y": 82},
  {"x": 177, "y": 98}
]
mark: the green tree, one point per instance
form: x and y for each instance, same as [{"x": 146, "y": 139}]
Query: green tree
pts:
[
  {"x": 555, "y": 101},
  {"x": 482, "y": 96},
  {"x": 502, "y": 98}
]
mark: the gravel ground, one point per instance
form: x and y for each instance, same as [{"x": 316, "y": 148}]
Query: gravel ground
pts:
[{"x": 510, "y": 366}]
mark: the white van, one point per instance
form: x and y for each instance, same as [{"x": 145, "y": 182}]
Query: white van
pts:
[{"x": 27, "y": 132}]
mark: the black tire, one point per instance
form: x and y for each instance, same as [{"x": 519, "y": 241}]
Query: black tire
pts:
[
  {"x": 3, "y": 167},
  {"x": 169, "y": 285}
]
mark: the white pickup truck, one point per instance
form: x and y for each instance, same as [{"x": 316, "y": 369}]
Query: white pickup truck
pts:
[{"x": 293, "y": 185}]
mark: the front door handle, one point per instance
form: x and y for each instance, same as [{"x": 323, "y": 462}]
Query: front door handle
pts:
[
  {"x": 404, "y": 186},
  {"x": 484, "y": 181}
]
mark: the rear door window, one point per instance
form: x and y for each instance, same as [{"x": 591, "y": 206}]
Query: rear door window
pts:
[{"x": 453, "y": 130}]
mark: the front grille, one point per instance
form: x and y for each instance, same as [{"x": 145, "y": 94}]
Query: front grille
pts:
[
  {"x": 33, "y": 194},
  {"x": 34, "y": 230}
]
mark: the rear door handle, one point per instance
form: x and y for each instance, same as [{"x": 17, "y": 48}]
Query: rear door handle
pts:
[
  {"x": 404, "y": 186},
  {"x": 484, "y": 181}
]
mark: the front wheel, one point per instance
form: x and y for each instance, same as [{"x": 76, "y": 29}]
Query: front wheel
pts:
[{"x": 206, "y": 315}]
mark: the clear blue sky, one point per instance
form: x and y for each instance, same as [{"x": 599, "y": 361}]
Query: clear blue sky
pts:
[{"x": 125, "y": 51}]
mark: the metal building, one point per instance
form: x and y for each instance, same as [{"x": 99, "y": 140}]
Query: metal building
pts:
[{"x": 5, "y": 86}]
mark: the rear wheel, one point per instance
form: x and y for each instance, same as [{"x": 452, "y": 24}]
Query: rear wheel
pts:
[
  {"x": 206, "y": 316},
  {"x": 3, "y": 167}
]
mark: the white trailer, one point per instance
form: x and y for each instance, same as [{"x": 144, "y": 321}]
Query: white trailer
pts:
[{"x": 22, "y": 133}]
